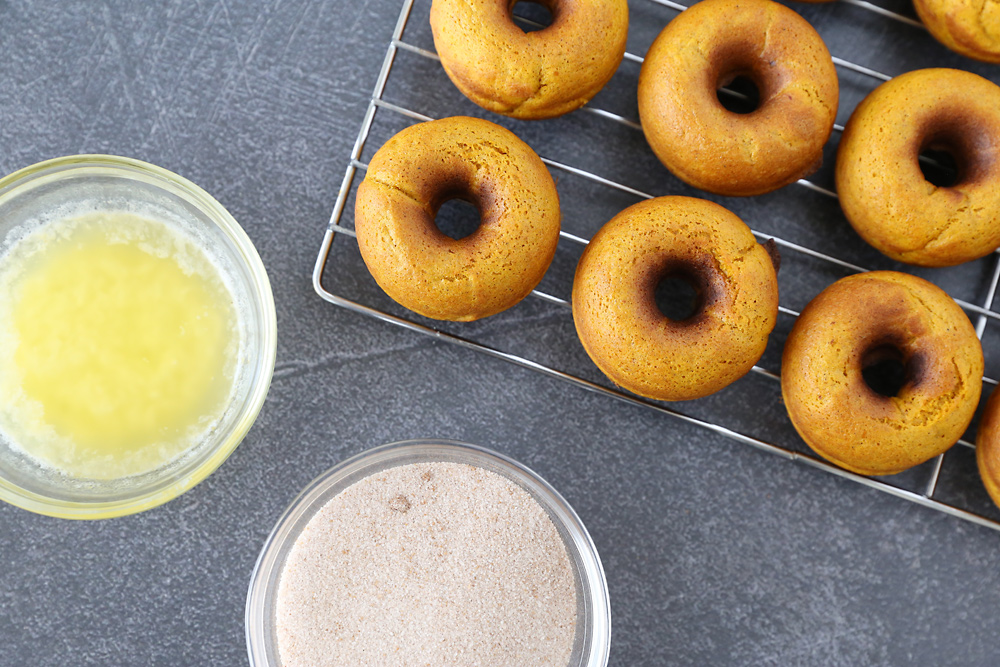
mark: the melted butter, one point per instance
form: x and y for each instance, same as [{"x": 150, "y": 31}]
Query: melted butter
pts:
[{"x": 123, "y": 347}]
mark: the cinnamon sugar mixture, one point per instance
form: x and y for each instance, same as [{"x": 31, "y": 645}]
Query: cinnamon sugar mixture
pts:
[{"x": 428, "y": 564}]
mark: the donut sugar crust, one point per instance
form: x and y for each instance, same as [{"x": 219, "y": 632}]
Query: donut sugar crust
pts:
[
  {"x": 534, "y": 75},
  {"x": 632, "y": 341},
  {"x": 968, "y": 27},
  {"x": 988, "y": 447},
  {"x": 714, "y": 149},
  {"x": 420, "y": 267},
  {"x": 864, "y": 319},
  {"x": 884, "y": 193}
]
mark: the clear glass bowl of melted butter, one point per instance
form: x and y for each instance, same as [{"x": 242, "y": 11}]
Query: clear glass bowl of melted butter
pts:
[{"x": 137, "y": 336}]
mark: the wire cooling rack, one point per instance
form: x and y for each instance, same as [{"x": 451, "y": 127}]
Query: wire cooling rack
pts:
[{"x": 540, "y": 335}]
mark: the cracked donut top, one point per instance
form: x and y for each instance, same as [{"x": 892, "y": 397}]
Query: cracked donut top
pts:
[
  {"x": 420, "y": 267},
  {"x": 530, "y": 75},
  {"x": 969, "y": 27}
]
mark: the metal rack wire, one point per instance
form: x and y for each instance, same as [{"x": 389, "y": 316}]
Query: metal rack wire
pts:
[{"x": 983, "y": 312}]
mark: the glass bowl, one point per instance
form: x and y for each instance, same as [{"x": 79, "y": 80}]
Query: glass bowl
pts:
[
  {"x": 592, "y": 640},
  {"x": 57, "y": 188}
]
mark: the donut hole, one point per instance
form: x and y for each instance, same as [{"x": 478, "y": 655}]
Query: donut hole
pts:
[
  {"x": 739, "y": 94},
  {"x": 939, "y": 167},
  {"x": 457, "y": 218},
  {"x": 531, "y": 16},
  {"x": 884, "y": 370},
  {"x": 678, "y": 296},
  {"x": 953, "y": 151}
]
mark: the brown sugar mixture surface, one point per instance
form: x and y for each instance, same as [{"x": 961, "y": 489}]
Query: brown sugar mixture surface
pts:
[{"x": 428, "y": 564}]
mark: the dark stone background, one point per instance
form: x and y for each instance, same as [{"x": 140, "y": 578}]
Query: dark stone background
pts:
[{"x": 715, "y": 553}]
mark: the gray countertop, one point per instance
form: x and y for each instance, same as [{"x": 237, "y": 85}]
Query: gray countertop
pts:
[{"x": 715, "y": 552}]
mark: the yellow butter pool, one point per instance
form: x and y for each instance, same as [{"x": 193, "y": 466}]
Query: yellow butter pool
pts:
[{"x": 118, "y": 344}]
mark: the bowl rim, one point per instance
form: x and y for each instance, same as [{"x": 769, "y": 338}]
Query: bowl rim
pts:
[
  {"x": 261, "y": 293},
  {"x": 316, "y": 494}
]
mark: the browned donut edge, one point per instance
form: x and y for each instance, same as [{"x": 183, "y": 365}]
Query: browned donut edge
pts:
[
  {"x": 887, "y": 326},
  {"x": 621, "y": 326},
  {"x": 742, "y": 154},
  {"x": 988, "y": 447}
]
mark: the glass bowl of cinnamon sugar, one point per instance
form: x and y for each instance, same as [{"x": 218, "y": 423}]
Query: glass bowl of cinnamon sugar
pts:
[{"x": 429, "y": 552}]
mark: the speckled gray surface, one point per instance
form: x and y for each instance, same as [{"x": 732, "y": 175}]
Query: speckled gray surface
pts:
[{"x": 715, "y": 553}]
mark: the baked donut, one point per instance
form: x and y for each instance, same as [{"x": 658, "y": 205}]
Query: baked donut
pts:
[
  {"x": 707, "y": 47},
  {"x": 626, "y": 334},
  {"x": 988, "y": 447},
  {"x": 969, "y": 27},
  {"x": 880, "y": 318},
  {"x": 533, "y": 75},
  {"x": 430, "y": 273},
  {"x": 883, "y": 191}
]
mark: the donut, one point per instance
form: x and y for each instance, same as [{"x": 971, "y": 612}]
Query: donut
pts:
[
  {"x": 858, "y": 322},
  {"x": 969, "y": 27},
  {"x": 417, "y": 265},
  {"x": 540, "y": 74},
  {"x": 625, "y": 333},
  {"x": 884, "y": 193},
  {"x": 988, "y": 447},
  {"x": 709, "y": 46}
]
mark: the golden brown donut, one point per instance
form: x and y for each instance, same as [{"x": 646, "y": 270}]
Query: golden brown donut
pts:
[
  {"x": 709, "y": 147},
  {"x": 969, "y": 27},
  {"x": 882, "y": 189},
  {"x": 859, "y": 321},
  {"x": 457, "y": 158},
  {"x": 626, "y": 334},
  {"x": 533, "y": 75},
  {"x": 988, "y": 447}
]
